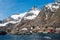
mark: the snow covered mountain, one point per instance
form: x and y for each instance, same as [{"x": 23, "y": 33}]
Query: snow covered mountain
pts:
[
  {"x": 52, "y": 6},
  {"x": 31, "y": 14},
  {"x": 49, "y": 16}
]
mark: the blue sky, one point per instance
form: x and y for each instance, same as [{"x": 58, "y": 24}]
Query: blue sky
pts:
[{"x": 9, "y": 7}]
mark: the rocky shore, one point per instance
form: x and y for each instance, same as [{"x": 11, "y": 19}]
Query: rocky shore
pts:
[{"x": 31, "y": 30}]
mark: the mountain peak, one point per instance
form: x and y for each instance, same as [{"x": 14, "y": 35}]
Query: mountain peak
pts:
[
  {"x": 31, "y": 14},
  {"x": 34, "y": 8}
]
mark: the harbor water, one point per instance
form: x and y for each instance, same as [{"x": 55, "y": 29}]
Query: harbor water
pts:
[{"x": 34, "y": 36}]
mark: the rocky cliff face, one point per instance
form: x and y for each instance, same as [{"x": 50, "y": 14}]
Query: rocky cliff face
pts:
[{"x": 49, "y": 16}]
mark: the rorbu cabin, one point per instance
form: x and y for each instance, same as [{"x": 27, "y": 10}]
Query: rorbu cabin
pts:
[
  {"x": 50, "y": 30},
  {"x": 57, "y": 30}
]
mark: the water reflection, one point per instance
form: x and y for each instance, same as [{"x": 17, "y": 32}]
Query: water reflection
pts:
[{"x": 34, "y": 36}]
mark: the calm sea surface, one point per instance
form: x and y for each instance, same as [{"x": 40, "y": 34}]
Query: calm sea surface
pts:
[{"x": 34, "y": 36}]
